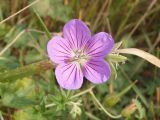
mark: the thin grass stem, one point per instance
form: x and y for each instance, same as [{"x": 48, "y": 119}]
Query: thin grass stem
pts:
[
  {"x": 19, "y": 12},
  {"x": 12, "y": 42}
]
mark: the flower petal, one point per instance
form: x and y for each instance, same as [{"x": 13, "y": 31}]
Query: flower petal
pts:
[
  {"x": 58, "y": 49},
  {"x": 97, "y": 71},
  {"x": 69, "y": 75},
  {"x": 100, "y": 45},
  {"x": 77, "y": 33}
]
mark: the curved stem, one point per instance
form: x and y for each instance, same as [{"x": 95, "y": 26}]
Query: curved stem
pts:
[
  {"x": 83, "y": 92},
  {"x": 100, "y": 105}
]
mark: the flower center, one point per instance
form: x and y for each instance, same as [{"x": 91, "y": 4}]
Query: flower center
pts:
[{"x": 79, "y": 56}]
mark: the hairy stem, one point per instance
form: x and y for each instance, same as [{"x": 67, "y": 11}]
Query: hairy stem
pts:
[
  {"x": 27, "y": 70},
  {"x": 83, "y": 92}
]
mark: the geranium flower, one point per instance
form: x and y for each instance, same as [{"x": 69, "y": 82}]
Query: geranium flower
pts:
[{"x": 79, "y": 54}]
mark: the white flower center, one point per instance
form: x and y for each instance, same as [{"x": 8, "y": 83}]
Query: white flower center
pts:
[{"x": 79, "y": 56}]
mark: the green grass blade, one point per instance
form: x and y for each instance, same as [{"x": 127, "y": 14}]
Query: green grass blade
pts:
[{"x": 43, "y": 25}]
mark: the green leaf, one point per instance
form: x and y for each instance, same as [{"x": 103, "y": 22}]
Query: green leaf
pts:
[
  {"x": 18, "y": 94},
  {"x": 28, "y": 114},
  {"x": 14, "y": 101},
  {"x": 4, "y": 29}
]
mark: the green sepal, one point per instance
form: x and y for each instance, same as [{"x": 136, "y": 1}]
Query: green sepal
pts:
[{"x": 116, "y": 58}]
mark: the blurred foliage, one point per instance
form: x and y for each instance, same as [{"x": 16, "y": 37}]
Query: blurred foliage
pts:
[
  {"x": 55, "y": 9},
  {"x": 27, "y": 98}
]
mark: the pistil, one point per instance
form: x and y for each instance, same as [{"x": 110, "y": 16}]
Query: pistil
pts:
[{"x": 79, "y": 56}]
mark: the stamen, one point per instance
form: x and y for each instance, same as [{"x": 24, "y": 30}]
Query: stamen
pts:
[{"x": 79, "y": 56}]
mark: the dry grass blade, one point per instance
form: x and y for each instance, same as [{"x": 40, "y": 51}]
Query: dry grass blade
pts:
[
  {"x": 134, "y": 51},
  {"x": 158, "y": 95},
  {"x": 18, "y": 12},
  {"x": 100, "y": 14},
  {"x": 143, "y": 17}
]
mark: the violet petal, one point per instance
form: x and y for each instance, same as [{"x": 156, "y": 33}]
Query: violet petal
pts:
[
  {"x": 97, "y": 71},
  {"x": 100, "y": 45},
  {"x": 58, "y": 49},
  {"x": 69, "y": 75},
  {"x": 77, "y": 33}
]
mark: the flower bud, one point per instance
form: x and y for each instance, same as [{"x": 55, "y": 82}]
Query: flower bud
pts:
[
  {"x": 129, "y": 110},
  {"x": 112, "y": 99}
]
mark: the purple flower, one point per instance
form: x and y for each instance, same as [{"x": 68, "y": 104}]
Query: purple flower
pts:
[{"x": 78, "y": 55}]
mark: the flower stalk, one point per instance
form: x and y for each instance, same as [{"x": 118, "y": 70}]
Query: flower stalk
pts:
[
  {"x": 83, "y": 92},
  {"x": 101, "y": 106}
]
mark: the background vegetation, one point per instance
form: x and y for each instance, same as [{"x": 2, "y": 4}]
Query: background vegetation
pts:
[{"x": 135, "y": 22}]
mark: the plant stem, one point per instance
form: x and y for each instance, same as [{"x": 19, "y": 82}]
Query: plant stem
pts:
[
  {"x": 135, "y": 88},
  {"x": 101, "y": 106},
  {"x": 27, "y": 70},
  {"x": 83, "y": 92},
  {"x": 124, "y": 91}
]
